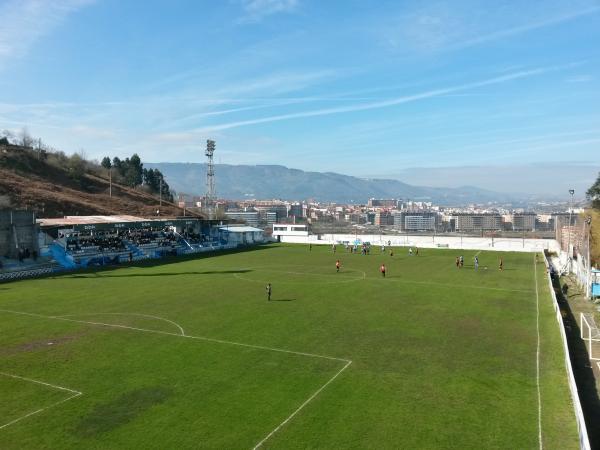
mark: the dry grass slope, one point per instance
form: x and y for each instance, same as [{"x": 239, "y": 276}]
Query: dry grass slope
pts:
[{"x": 33, "y": 183}]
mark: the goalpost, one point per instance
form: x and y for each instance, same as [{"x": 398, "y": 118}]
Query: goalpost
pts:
[{"x": 591, "y": 334}]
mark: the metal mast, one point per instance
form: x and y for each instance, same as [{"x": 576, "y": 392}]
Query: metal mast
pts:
[
  {"x": 210, "y": 179},
  {"x": 569, "y": 254}
]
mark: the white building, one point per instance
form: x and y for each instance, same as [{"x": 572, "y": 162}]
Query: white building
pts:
[
  {"x": 415, "y": 221},
  {"x": 242, "y": 235},
  {"x": 477, "y": 222},
  {"x": 289, "y": 229}
]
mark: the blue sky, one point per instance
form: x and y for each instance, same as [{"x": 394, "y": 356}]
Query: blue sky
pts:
[{"x": 386, "y": 88}]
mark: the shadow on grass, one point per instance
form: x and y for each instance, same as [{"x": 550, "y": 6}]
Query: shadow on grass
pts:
[
  {"x": 76, "y": 273},
  {"x": 120, "y": 411},
  {"x": 181, "y": 258},
  {"x": 584, "y": 374},
  {"x": 282, "y": 299},
  {"x": 160, "y": 274}
]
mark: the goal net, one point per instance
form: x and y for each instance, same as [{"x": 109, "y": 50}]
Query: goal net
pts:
[{"x": 591, "y": 336}]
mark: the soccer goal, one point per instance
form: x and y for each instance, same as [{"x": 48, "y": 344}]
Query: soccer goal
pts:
[{"x": 591, "y": 334}]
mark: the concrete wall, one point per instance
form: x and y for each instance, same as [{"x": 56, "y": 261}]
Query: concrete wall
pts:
[
  {"x": 23, "y": 222},
  {"x": 469, "y": 243}
]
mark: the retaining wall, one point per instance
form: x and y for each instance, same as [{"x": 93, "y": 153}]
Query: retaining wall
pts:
[{"x": 433, "y": 241}]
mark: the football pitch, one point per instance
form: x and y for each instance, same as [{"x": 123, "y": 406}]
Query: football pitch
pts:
[{"x": 190, "y": 354}]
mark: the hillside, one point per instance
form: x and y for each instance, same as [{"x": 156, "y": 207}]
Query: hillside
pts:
[
  {"x": 27, "y": 180},
  {"x": 270, "y": 181}
]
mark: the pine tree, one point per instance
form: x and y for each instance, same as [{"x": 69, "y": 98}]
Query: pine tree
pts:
[{"x": 593, "y": 193}]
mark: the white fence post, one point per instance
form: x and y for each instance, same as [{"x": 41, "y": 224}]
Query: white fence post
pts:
[{"x": 584, "y": 441}]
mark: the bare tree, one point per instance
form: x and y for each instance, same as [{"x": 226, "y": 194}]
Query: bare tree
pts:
[{"x": 25, "y": 139}]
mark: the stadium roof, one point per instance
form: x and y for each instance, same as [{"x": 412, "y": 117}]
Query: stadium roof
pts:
[
  {"x": 114, "y": 222},
  {"x": 240, "y": 229}
]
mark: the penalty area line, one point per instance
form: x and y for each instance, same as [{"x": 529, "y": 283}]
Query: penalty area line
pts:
[
  {"x": 306, "y": 402},
  {"x": 147, "y": 316},
  {"x": 346, "y": 362},
  {"x": 62, "y": 388},
  {"x": 167, "y": 333}
]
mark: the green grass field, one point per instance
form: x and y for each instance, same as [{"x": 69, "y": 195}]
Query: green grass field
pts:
[{"x": 189, "y": 354}]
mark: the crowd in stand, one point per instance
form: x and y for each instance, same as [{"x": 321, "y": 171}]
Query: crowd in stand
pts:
[
  {"x": 164, "y": 238},
  {"x": 100, "y": 242},
  {"x": 111, "y": 241},
  {"x": 193, "y": 238}
]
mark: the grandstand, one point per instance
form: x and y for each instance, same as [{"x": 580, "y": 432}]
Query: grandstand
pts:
[
  {"x": 76, "y": 241},
  {"x": 73, "y": 242}
]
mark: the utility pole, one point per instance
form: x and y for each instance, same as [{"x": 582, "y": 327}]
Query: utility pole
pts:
[
  {"x": 110, "y": 182},
  {"x": 160, "y": 193},
  {"x": 588, "y": 288},
  {"x": 572, "y": 192}
]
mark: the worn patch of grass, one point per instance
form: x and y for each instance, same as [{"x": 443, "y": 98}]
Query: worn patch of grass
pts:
[{"x": 121, "y": 410}]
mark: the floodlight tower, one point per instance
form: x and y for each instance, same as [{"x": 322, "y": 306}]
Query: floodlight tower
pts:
[{"x": 210, "y": 178}]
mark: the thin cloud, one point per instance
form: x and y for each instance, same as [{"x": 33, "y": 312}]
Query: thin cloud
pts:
[
  {"x": 26, "y": 22},
  {"x": 256, "y": 10},
  {"x": 390, "y": 102},
  {"x": 279, "y": 83},
  {"x": 580, "y": 79},
  {"x": 442, "y": 28},
  {"x": 544, "y": 148},
  {"x": 509, "y": 32}
]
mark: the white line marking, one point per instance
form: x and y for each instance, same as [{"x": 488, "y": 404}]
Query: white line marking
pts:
[
  {"x": 167, "y": 333},
  {"x": 127, "y": 314},
  {"x": 259, "y": 347},
  {"x": 539, "y": 395},
  {"x": 62, "y": 388},
  {"x": 291, "y": 416}
]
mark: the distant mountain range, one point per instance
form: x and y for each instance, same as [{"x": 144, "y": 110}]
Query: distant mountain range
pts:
[{"x": 238, "y": 182}]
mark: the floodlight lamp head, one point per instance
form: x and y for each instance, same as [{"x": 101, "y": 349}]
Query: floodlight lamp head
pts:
[
  {"x": 210, "y": 147},
  {"x": 571, "y": 191}
]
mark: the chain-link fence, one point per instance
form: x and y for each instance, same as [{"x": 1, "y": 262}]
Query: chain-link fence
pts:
[{"x": 573, "y": 235}]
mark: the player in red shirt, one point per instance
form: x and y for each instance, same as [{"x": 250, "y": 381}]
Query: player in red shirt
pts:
[
  {"x": 337, "y": 265},
  {"x": 382, "y": 270}
]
